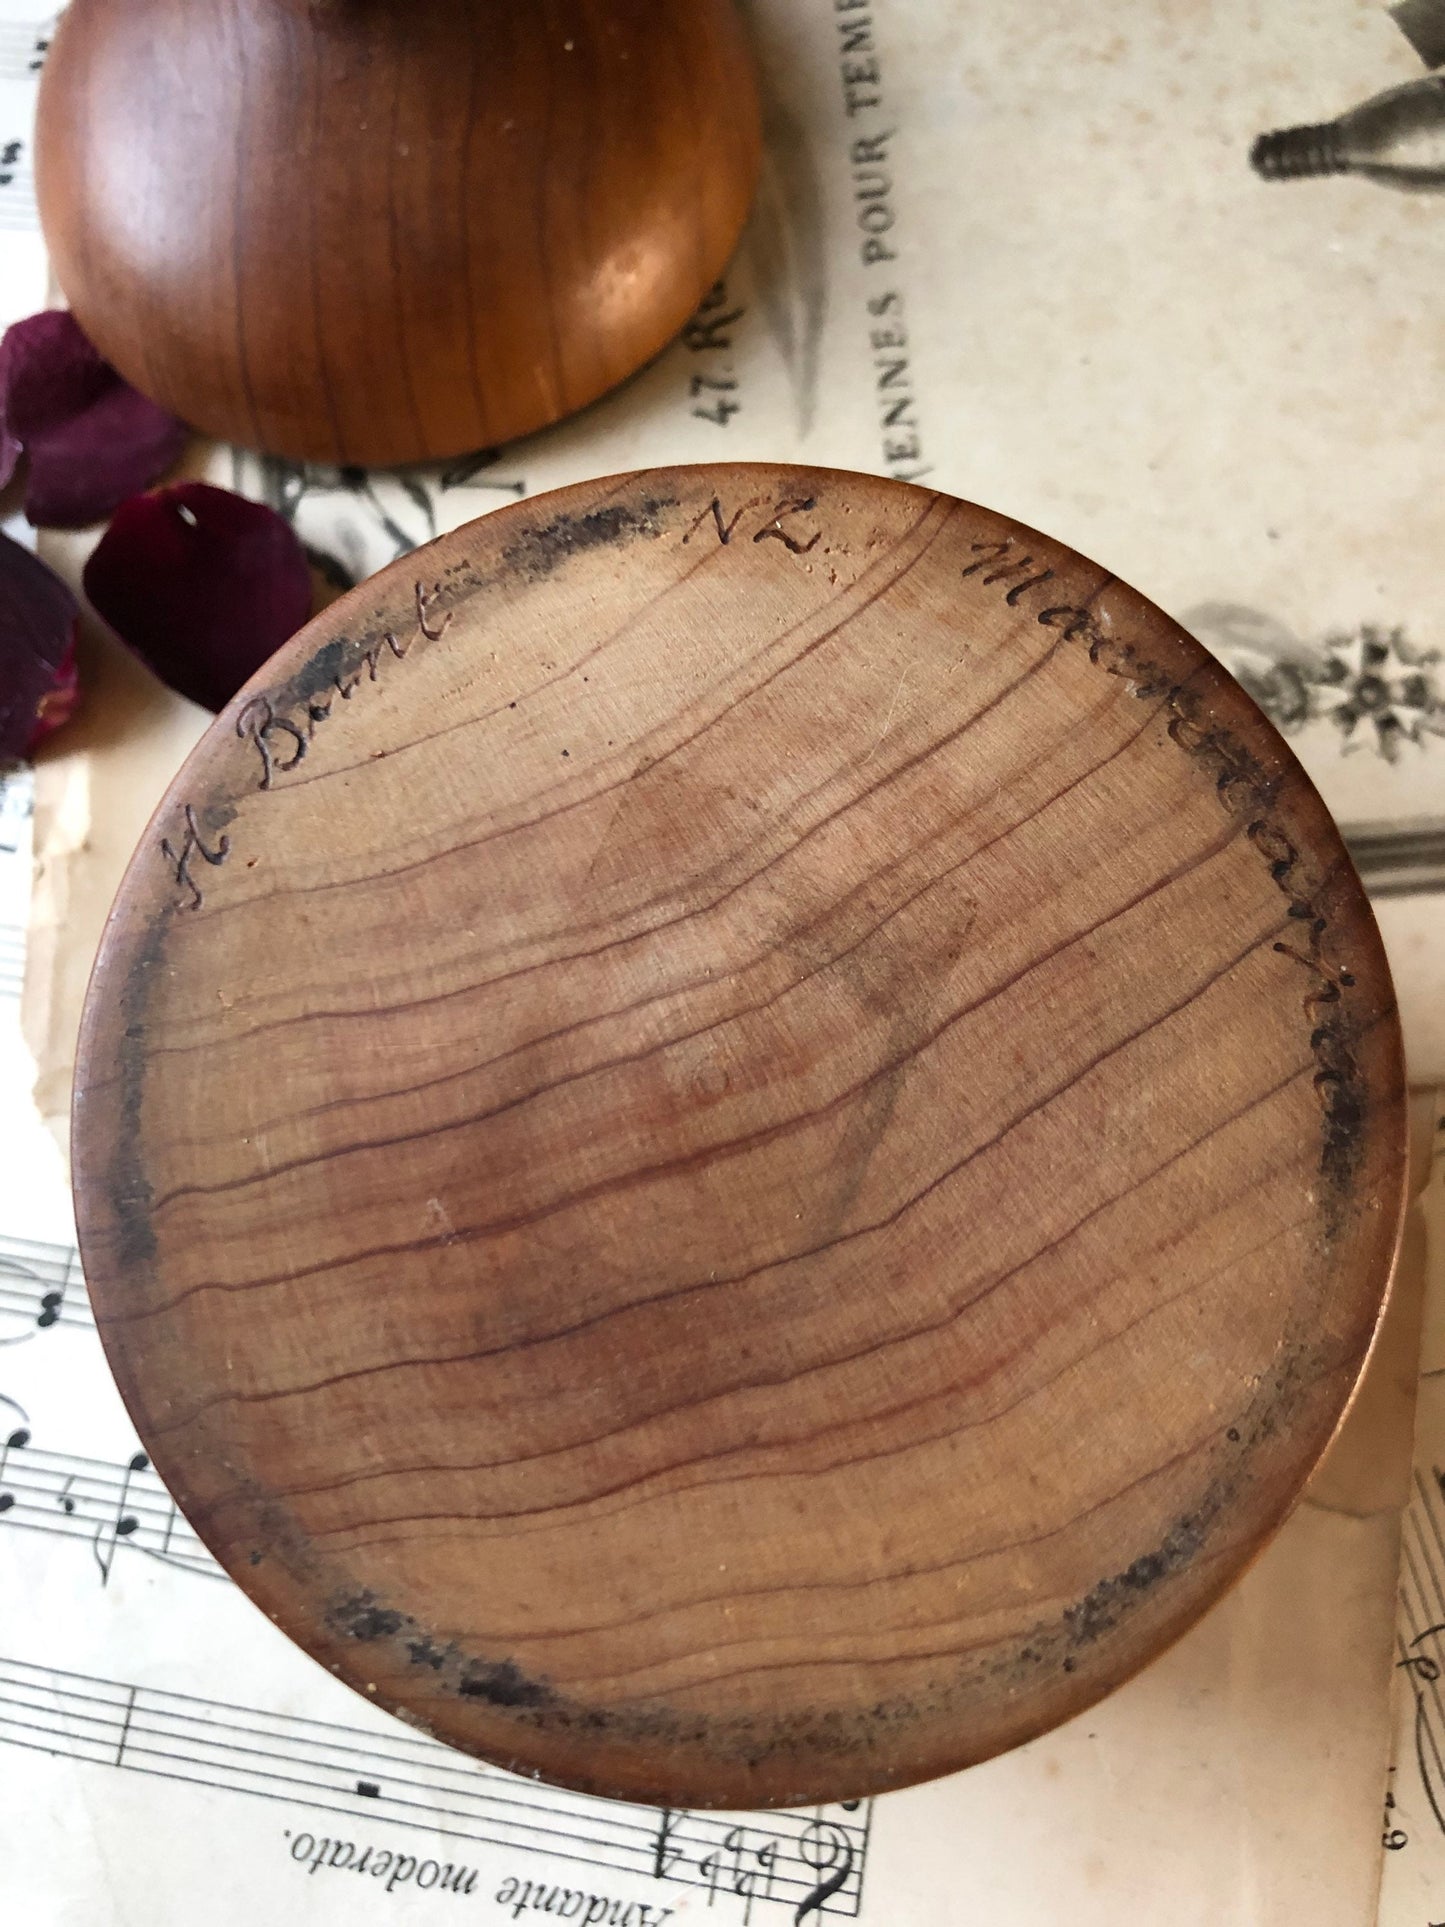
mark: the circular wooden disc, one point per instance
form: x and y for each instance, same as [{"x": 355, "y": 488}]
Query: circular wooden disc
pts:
[{"x": 738, "y": 1135}]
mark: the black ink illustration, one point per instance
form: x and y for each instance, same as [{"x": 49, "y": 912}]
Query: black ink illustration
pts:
[
  {"x": 1371, "y": 684},
  {"x": 1423, "y": 24},
  {"x": 1379, "y": 694},
  {"x": 353, "y": 521},
  {"x": 1396, "y": 137},
  {"x": 785, "y": 240}
]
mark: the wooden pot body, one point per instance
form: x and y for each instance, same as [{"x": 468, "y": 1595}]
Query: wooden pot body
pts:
[
  {"x": 739, "y": 1134},
  {"x": 382, "y": 231}
]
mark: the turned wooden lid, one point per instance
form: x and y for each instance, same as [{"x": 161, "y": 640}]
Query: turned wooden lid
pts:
[
  {"x": 386, "y": 231},
  {"x": 738, "y": 1135}
]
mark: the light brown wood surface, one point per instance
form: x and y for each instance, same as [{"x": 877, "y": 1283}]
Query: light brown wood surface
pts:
[
  {"x": 382, "y": 231},
  {"x": 739, "y": 1134}
]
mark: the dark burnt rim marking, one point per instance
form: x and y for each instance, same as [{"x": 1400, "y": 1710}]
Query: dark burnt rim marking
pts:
[
  {"x": 425, "y": 739},
  {"x": 539, "y": 551},
  {"x": 1022, "y": 1543},
  {"x": 1114, "y": 1597},
  {"x": 1051, "y": 1645},
  {"x": 474, "y": 582},
  {"x": 128, "y": 1187},
  {"x": 364, "y": 1618}
]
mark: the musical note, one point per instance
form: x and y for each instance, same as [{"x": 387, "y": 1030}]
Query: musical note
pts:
[
  {"x": 40, "y": 1286},
  {"x": 23, "y": 47},
  {"x": 109, "y": 1506},
  {"x": 757, "y": 1883},
  {"x": 746, "y": 1869},
  {"x": 17, "y": 187},
  {"x": 766, "y": 1859},
  {"x": 757, "y": 1861},
  {"x": 16, "y": 1442},
  {"x": 122, "y": 1525}
]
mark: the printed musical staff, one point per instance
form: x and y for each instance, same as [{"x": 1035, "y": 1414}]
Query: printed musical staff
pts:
[
  {"x": 109, "y": 1506},
  {"x": 40, "y": 1286},
  {"x": 23, "y": 47},
  {"x": 810, "y": 1864},
  {"x": 12, "y": 959}
]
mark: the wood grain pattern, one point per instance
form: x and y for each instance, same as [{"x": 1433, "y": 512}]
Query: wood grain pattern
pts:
[
  {"x": 739, "y": 1134},
  {"x": 383, "y": 231}
]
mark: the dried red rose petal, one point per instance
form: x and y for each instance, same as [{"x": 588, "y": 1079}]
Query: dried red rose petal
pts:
[
  {"x": 202, "y": 584},
  {"x": 38, "y": 682},
  {"x": 91, "y": 438}
]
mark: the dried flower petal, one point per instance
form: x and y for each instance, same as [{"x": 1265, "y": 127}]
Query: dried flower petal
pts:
[
  {"x": 38, "y": 682},
  {"x": 49, "y": 371},
  {"x": 202, "y": 584},
  {"x": 60, "y": 702},
  {"x": 92, "y": 439}
]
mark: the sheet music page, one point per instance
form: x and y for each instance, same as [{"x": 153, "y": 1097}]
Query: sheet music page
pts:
[
  {"x": 24, "y": 39},
  {"x": 1029, "y": 265},
  {"x": 1412, "y": 1887}
]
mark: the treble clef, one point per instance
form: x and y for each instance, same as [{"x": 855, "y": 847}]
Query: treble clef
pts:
[{"x": 827, "y": 1851}]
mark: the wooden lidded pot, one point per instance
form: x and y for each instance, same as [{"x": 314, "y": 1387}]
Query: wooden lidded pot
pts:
[
  {"x": 738, "y": 1134},
  {"x": 384, "y": 231}
]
